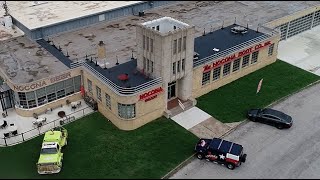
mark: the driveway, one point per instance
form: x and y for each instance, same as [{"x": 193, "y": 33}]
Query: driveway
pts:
[
  {"x": 272, "y": 153},
  {"x": 302, "y": 50}
]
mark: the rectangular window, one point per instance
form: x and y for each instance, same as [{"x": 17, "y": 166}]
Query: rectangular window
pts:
[
  {"x": 148, "y": 65},
  {"x": 147, "y": 43},
  {"x": 60, "y": 89},
  {"x": 179, "y": 44},
  {"x": 245, "y": 60},
  {"x": 32, "y": 103},
  {"x": 183, "y": 65},
  {"x": 270, "y": 51},
  {"x": 254, "y": 58},
  {"x": 174, "y": 68},
  {"x": 226, "y": 69},
  {"x": 206, "y": 77},
  {"x": 178, "y": 66},
  {"x": 77, "y": 83},
  {"x": 174, "y": 46},
  {"x": 144, "y": 42},
  {"x": 22, "y": 99},
  {"x": 236, "y": 65},
  {"x": 158, "y": 28},
  {"x": 90, "y": 86},
  {"x": 151, "y": 45},
  {"x": 51, "y": 93},
  {"x": 98, "y": 93},
  {"x": 144, "y": 63},
  {"x": 108, "y": 101},
  {"x": 42, "y": 96},
  {"x": 152, "y": 66},
  {"x": 127, "y": 111},
  {"x": 216, "y": 73},
  {"x": 184, "y": 43}
]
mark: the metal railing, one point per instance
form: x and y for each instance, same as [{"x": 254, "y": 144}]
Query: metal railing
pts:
[
  {"x": 27, "y": 135},
  {"x": 121, "y": 90},
  {"x": 268, "y": 32}
]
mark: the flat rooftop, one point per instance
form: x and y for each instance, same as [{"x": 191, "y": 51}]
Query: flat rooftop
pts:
[
  {"x": 222, "y": 39},
  {"x": 24, "y": 61},
  {"x": 119, "y": 35},
  {"x": 35, "y": 14},
  {"x": 135, "y": 78}
]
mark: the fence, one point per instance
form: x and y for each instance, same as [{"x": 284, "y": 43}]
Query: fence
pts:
[{"x": 13, "y": 140}]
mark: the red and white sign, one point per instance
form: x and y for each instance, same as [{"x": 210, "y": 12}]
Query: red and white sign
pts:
[
  {"x": 150, "y": 94},
  {"x": 259, "y": 85},
  {"x": 227, "y": 59}
]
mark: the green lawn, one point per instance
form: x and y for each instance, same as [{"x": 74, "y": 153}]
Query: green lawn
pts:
[
  {"x": 229, "y": 103},
  {"x": 97, "y": 149}
]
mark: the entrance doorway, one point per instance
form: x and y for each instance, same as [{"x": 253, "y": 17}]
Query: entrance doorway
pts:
[{"x": 172, "y": 90}]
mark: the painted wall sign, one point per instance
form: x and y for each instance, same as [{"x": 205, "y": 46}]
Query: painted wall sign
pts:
[
  {"x": 234, "y": 56},
  {"x": 150, "y": 94},
  {"x": 43, "y": 83}
]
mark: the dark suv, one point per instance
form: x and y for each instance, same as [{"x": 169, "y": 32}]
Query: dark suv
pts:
[{"x": 220, "y": 151}]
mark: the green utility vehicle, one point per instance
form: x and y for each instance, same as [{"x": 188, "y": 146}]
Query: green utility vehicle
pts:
[{"x": 50, "y": 160}]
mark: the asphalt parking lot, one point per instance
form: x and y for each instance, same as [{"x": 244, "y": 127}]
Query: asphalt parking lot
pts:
[{"x": 291, "y": 153}]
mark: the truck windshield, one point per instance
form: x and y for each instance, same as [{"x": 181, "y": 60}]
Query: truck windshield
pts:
[{"x": 48, "y": 151}]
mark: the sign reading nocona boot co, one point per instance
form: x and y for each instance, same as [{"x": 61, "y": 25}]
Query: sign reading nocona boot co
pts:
[{"x": 42, "y": 83}]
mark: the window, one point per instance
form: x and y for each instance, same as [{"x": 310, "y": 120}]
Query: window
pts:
[
  {"x": 108, "y": 101},
  {"x": 178, "y": 66},
  {"x": 144, "y": 63},
  {"x": 270, "y": 51},
  {"x": 127, "y": 111},
  {"x": 42, "y": 96},
  {"x": 226, "y": 69},
  {"x": 30, "y": 96},
  {"x": 148, "y": 65},
  {"x": 102, "y": 17},
  {"x": 98, "y": 93},
  {"x": 77, "y": 83},
  {"x": 174, "y": 68},
  {"x": 236, "y": 65},
  {"x": 245, "y": 60},
  {"x": 151, "y": 45},
  {"x": 144, "y": 42},
  {"x": 174, "y": 46},
  {"x": 51, "y": 92},
  {"x": 184, "y": 43},
  {"x": 206, "y": 77},
  {"x": 216, "y": 73},
  {"x": 147, "y": 43},
  {"x": 60, "y": 89},
  {"x": 174, "y": 27},
  {"x": 158, "y": 28},
  {"x": 183, "y": 65},
  {"x": 179, "y": 44},
  {"x": 152, "y": 66},
  {"x": 69, "y": 86},
  {"x": 254, "y": 58},
  {"x": 90, "y": 86}
]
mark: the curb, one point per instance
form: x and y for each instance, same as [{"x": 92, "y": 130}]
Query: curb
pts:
[{"x": 190, "y": 158}]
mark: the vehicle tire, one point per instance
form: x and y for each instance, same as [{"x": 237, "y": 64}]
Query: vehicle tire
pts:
[
  {"x": 200, "y": 156},
  {"x": 243, "y": 158},
  {"x": 230, "y": 166},
  {"x": 279, "y": 126}
]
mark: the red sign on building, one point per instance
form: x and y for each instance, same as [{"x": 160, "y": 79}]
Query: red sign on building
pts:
[
  {"x": 150, "y": 94},
  {"x": 232, "y": 57}
]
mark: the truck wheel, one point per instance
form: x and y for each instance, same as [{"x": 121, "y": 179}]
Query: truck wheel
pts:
[
  {"x": 230, "y": 166},
  {"x": 200, "y": 156}
]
